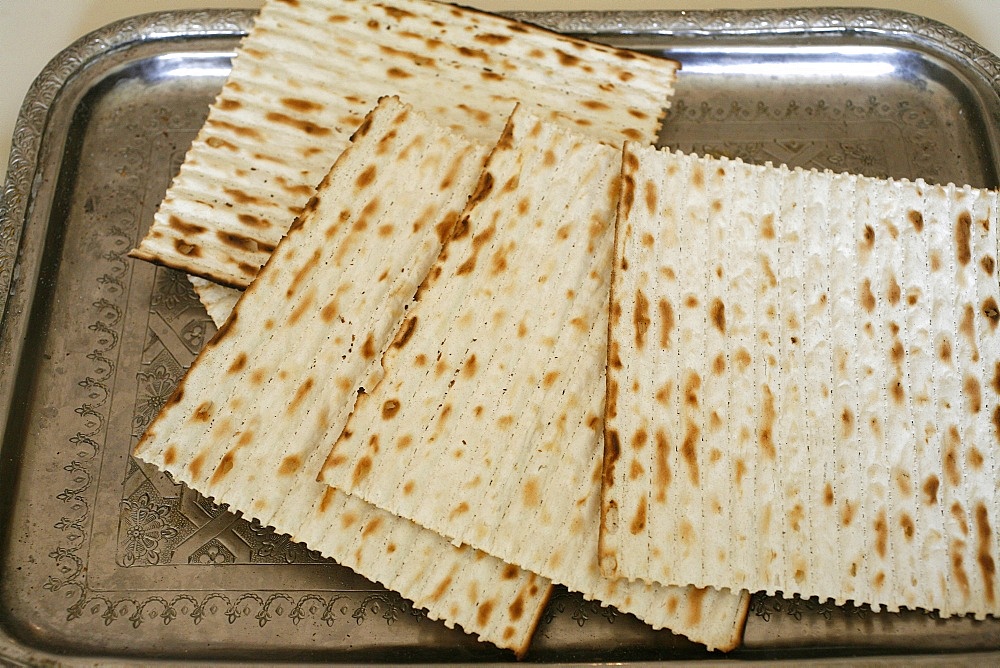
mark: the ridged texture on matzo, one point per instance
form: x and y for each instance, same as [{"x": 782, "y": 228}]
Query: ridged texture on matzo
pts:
[
  {"x": 246, "y": 424},
  {"x": 803, "y": 384},
  {"x": 309, "y": 71},
  {"x": 487, "y": 424}
]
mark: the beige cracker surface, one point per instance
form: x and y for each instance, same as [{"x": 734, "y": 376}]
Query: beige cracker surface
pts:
[
  {"x": 218, "y": 300},
  {"x": 246, "y": 423},
  {"x": 310, "y": 70},
  {"x": 803, "y": 385},
  {"x": 487, "y": 424}
]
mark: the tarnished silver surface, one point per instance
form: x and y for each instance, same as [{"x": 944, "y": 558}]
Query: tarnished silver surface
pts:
[{"x": 103, "y": 559}]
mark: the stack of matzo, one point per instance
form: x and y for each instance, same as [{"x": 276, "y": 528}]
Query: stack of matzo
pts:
[
  {"x": 754, "y": 439},
  {"x": 249, "y": 173},
  {"x": 246, "y": 424},
  {"x": 803, "y": 385},
  {"x": 487, "y": 424},
  {"x": 311, "y": 69}
]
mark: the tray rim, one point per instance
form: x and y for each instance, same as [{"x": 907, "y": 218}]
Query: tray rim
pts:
[{"x": 21, "y": 187}]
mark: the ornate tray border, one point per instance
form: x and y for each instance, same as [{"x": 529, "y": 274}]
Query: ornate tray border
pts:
[{"x": 29, "y": 137}]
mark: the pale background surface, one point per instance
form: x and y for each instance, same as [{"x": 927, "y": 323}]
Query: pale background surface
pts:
[{"x": 33, "y": 31}]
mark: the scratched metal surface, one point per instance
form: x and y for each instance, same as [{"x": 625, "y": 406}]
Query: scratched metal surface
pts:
[{"x": 104, "y": 559}]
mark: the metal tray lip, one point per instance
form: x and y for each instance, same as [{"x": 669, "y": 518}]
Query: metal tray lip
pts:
[{"x": 22, "y": 187}]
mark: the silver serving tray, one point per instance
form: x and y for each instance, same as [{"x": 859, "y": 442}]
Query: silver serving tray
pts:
[{"x": 102, "y": 559}]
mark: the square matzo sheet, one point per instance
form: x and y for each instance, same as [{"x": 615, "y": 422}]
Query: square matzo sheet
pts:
[{"x": 803, "y": 385}]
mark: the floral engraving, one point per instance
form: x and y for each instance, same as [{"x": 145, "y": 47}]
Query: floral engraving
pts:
[
  {"x": 146, "y": 531},
  {"x": 765, "y": 607},
  {"x": 195, "y": 334},
  {"x": 580, "y": 610},
  {"x": 172, "y": 290},
  {"x": 155, "y": 387},
  {"x": 212, "y": 553},
  {"x": 269, "y": 547},
  {"x": 799, "y": 135}
]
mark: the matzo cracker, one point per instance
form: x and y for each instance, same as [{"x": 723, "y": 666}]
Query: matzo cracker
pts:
[{"x": 810, "y": 361}]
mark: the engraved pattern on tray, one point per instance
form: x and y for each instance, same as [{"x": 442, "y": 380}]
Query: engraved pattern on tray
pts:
[{"x": 878, "y": 139}]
